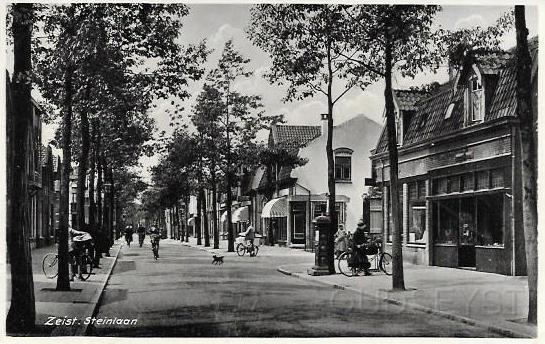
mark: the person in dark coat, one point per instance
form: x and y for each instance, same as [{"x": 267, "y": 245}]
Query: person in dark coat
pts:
[{"x": 359, "y": 240}]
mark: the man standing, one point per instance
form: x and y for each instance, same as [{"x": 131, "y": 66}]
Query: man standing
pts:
[{"x": 360, "y": 239}]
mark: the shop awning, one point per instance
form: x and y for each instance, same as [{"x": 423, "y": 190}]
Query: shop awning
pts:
[
  {"x": 240, "y": 215},
  {"x": 191, "y": 222},
  {"x": 275, "y": 208}
]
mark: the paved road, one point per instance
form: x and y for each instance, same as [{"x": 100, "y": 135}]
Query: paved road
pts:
[{"x": 183, "y": 294}]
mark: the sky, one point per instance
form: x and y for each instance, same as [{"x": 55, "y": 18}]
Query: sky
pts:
[{"x": 217, "y": 23}]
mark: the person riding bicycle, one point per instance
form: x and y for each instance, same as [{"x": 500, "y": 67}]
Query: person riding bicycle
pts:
[
  {"x": 128, "y": 234},
  {"x": 141, "y": 234},
  {"x": 77, "y": 241},
  {"x": 155, "y": 237},
  {"x": 249, "y": 236},
  {"x": 359, "y": 240}
]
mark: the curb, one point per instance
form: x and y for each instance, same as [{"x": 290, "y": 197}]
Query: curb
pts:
[
  {"x": 98, "y": 296},
  {"x": 443, "y": 314}
]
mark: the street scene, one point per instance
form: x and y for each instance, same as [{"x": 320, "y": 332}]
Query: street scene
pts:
[{"x": 271, "y": 170}]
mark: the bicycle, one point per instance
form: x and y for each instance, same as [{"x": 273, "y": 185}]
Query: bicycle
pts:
[
  {"x": 50, "y": 265},
  {"x": 242, "y": 248},
  {"x": 379, "y": 261}
]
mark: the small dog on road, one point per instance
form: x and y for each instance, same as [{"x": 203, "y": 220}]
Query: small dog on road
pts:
[{"x": 218, "y": 260}]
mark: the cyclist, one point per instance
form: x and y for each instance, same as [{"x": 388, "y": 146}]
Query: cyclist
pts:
[
  {"x": 359, "y": 241},
  {"x": 155, "y": 237},
  {"x": 141, "y": 234},
  {"x": 77, "y": 243},
  {"x": 128, "y": 234},
  {"x": 249, "y": 236}
]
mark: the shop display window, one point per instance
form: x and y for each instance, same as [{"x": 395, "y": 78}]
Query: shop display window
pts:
[
  {"x": 490, "y": 220},
  {"x": 447, "y": 224},
  {"x": 417, "y": 224}
]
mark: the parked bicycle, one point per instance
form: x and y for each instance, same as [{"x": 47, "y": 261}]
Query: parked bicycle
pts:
[
  {"x": 349, "y": 264},
  {"x": 84, "y": 265},
  {"x": 244, "y": 247}
]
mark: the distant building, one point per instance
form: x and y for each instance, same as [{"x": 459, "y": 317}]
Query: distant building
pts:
[
  {"x": 459, "y": 169},
  {"x": 287, "y": 199}
]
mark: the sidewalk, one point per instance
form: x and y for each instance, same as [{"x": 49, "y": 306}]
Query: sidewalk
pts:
[
  {"x": 80, "y": 302},
  {"x": 492, "y": 301},
  {"x": 496, "y": 302},
  {"x": 265, "y": 251}
]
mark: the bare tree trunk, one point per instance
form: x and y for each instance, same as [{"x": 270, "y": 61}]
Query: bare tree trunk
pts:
[
  {"x": 330, "y": 165},
  {"x": 22, "y": 312},
  {"x": 529, "y": 157},
  {"x": 198, "y": 228},
  {"x": 187, "y": 199},
  {"x": 205, "y": 219},
  {"x": 82, "y": 167},
  {"x": 398, "y": 281},
  {"x": 92, "y": 172},
  {"x": 215, "y": 208}
]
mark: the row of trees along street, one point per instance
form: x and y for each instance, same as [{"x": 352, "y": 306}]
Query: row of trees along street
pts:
[
  {"x": 93, "y": 61},
  {"x": 98, "y": 68}
]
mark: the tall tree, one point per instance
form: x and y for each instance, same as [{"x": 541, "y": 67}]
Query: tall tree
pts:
[
  {"x": 306, "y": 44},
  {"x": 388, "y": 39},
  {"x": 22, "y": 312},
  {"x": 529, "y": 157},
  {"x": 241, "y": 118}
]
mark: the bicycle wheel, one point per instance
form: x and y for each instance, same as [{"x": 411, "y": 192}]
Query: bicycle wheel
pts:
[
  {"x": 241, "y": 249},
  {"x": 342, "y": 264},
  {"x": 50, "y": 265},
  {"x": 386, "y": 263},
  {"x": 86, "y": 267}
]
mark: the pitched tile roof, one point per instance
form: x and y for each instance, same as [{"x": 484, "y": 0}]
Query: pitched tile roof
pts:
[
  {"x": 407, "y": 99},
  {"x": 294, "y": 136},
  {"x": 429, "y": 120}
]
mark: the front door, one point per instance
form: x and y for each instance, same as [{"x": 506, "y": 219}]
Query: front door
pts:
[
  {"x": 298, "y": 222},
  {"x": 467, "y": 233}
]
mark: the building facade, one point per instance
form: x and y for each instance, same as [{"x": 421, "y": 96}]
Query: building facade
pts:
[
  {"x": 459, "y": 169},
  {"x": 300, "y": 193}
]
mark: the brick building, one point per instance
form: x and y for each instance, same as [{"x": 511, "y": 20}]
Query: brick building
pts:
[{"x": 459, "y": 169}]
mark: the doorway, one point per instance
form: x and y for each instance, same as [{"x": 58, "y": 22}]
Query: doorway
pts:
[{"x": 298, "y": 222}]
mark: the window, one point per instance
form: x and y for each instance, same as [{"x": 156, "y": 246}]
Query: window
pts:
[
  {"x": 343, "y": 168},
  {"x": 417, "y": 224},
  {"x": 399, "y": 128},
  {"x": 320, "y": 208},
  {"x": 448, "y": 112},
  {"x": 475, "y": 100},
  {"x": 490, "y": 220},
  {"x": 447, "y": 225}
]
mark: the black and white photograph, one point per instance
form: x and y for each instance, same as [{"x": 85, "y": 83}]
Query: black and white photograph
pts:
[{"x": 260, "y": 170}]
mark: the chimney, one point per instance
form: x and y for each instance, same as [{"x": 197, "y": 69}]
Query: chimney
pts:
[{"x": 323, "y": 122}]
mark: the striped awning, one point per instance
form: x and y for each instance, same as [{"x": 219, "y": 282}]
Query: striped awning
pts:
[
  {"x": 240, "y": 215},
  {"x": 276, "y": 207},
  {"x": 191, "y": 222}
]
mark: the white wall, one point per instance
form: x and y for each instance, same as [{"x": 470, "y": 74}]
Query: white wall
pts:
[{"x": 359, "y": 134}]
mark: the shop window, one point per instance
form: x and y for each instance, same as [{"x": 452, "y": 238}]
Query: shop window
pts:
[
  {"x": 447, "y": 222},
  {"x": 483, "y": 181},
  {"x": 442, "y": 185},
  {"x": 497, "y": 178},
  {"x": 467, "y": 182},
  {"x": 320, "y": 208},
  {"x": 490, "y": 220},
  {"x": 453, "y": 184},
  {"x": 417, "y": 224},
  {"x": 343, "y": 168}
]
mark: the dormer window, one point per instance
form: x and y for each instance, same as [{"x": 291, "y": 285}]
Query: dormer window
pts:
[{"x": 474, "y": 100}]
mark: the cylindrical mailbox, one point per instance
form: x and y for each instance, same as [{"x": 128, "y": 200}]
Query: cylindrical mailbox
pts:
[{"x": 321, "y": 258}]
